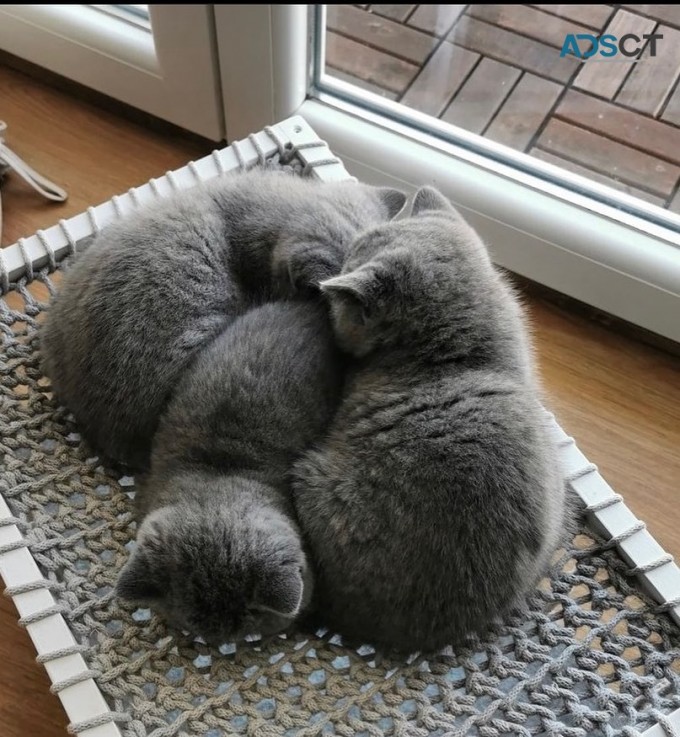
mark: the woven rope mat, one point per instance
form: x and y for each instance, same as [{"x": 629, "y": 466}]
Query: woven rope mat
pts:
[{"x": 591, "y": 656}]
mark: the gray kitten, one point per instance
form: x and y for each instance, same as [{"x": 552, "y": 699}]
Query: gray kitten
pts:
[
  {"x": 218, "y": 552},
  {"x": 157, "y": 286},
  {"x": 436, "y": 501}
]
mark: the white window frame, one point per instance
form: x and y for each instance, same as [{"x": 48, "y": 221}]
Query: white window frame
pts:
[
  {"x": 263, "y": 57},
  {"x": 625, "y": 265},
  {"x": 169, "y": 71}
]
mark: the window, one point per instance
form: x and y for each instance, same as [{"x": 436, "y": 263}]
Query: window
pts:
[
  {"x": 135, "y": 14},
  {"x": 565, "y": 162},
  {"x": 513, "y": 74},
  {"x": 553, "y": 128}
]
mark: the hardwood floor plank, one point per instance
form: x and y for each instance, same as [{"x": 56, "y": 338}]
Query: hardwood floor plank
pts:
[
  {"x": 436, "y": 19},
  {"x": 368, "y": 64},
  {"x": 523, "y": 113},
  {"x": 440, "y": 79},
  {"x": 363, "y": 84},
  {"x": 596, "y": 176},
  {"x": 621, "y": 401},
  {"x": 671, "y": 113},
  {"x": 609, "y": 157},
  {"x": 382, "y": 34},
  {"x": 669, "y": 13},
  {"x": 480, "y": 97},
  {"x": 593, "y": 16},
  {"x": 508, "y": 47},
  {"x": 626, "y": 126},
  {"x": 653, "y": 78},
  {"x": 528, "y": 21},
  {"x": 603, "y": 77},
  {"x": 395, "y": 12},
  {"x": 674, "y": 204}
]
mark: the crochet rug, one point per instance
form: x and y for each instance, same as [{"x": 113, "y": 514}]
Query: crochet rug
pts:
[{"x": 591, "y": 656}]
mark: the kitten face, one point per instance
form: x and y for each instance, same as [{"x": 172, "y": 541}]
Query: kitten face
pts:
[
  {"x": 217, "y": 574},
  {"x": 393, "y": 273}
]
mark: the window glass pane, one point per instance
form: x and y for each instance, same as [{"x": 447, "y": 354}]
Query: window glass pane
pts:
[
  {"x": 590, "y": 88},
  {"x": 137, "y": 15},
  {"x": 141, "y": 11}
]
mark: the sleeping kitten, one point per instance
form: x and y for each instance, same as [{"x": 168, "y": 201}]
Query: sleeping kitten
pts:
[
  {"x": 218, "y": 551},
  {"x": 157, "y": 286},
  {"x": 435, "y": 502}
]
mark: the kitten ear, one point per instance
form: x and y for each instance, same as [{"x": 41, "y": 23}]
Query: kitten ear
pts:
[
  {"x": 356, "y": 300},
  {"x": 392, "y": 199},
  {"x": 364, "y": 286},
  {"x": 353, "y": 293},
  {"x": 429, "y": 199},
  {"x": 347, "y": 287},
  {"x": 141, "y": 577},
  {"x": 281, "y": 591}
]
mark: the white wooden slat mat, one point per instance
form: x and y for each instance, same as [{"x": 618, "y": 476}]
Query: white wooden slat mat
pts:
[{"x": 55, "y": 644}]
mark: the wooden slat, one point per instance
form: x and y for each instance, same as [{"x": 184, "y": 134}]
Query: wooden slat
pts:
[
  {"x": 528, "y": 21},
  {"x": 626, "y": 126},
  {"x": 596, "y": 176},
  {"x": 380, "y": 33},
  {"x": 668, "y": 13},
  {"x": 506, "y": 46},
  {"x": 609, "y": 157},
  {"x": 652, "y": 79},
  {"x": 524, "y": 111},
  {"x": 395, "y": 12},
  {"x": 603, "y": 76},
  {"x": 368, "y": 64},
  {"x": 672, "y": 110},
  {"x": 436, "y": 19},
  {"x": 593, "y": 16},
  {"x": 440, "y": 79},
  {"x": 483, "y": 93},
  {"x": 363, "y": 84},
  {"x": 674, "y": 204}
]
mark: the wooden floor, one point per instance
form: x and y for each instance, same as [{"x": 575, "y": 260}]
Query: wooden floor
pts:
[
  {"x": 94, "y": 156},
  {"x": 620, "y": 399},
  {"x": 496, "y": 70}
]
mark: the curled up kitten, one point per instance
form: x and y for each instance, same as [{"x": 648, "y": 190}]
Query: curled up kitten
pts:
[
  {"x": 435, "y": 502},
  {"x": 218, "y": 551},
  {"x": 160, "y": 284}
]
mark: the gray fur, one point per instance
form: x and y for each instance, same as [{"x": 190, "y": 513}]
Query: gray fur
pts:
[
  {"x": 218, "y": 550},
  {"x": 436, "y": 501},
  {"x": 157, "y": 286}
]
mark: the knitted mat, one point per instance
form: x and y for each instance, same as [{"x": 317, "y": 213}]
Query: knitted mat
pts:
[{"x": 592, "y": 655}]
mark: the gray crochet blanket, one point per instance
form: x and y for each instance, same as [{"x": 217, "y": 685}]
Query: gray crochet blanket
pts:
[{"x": 590, "y": 656}]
